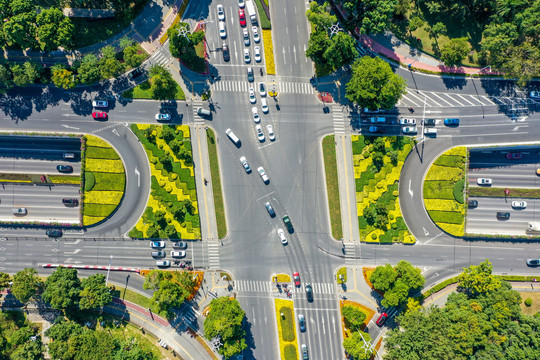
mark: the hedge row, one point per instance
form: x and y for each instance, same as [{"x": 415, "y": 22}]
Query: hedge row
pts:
[
  {"x": 450, "y": 161},
  {"x": 450, "y": 217},
  {"x": 101, "y": 153}
]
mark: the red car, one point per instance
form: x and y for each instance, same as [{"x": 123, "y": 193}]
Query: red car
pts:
[
  {"x": 382, "y": 319},
  {"x": 296, "y": 278},
  {"x": 514, "y": 156},
  {"x": 99, "y": 115},
  {"x": 242, "y": 16}
]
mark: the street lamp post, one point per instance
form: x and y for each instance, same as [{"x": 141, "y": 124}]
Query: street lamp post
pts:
[
  {"x": 108, "y": 271},
  {"x": 477, "y": 94}
]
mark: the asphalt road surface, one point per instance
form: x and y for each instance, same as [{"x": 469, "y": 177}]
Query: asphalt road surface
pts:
[
  {"x": 31, "y": 166},
  {"x": 39, "y": 147},
  {"x": 43, "y": 203},
  {"x": 483, "y": 219}
]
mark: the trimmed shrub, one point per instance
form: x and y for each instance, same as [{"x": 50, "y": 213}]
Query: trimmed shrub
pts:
[
  {"x": 528, "y": 302},
  {"x": 287, "y": 324},
  {"x": 439, "y": 190},
  {"x": 290, "y": 352},
  {"x": 458, "y": 191},
  {"x": 89, "y": 181},
  {"x": 450, "y": 217}
]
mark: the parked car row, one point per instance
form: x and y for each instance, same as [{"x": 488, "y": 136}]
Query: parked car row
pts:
[{"x": 222, "y": 27}]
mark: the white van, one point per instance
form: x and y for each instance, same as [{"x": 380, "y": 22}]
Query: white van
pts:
[
  {"x": 430, "y": 131},
  {"x": 69, "y": 155},
  {"x": 232, "y": 136}
]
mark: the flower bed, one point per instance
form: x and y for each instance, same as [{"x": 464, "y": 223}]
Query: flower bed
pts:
[
  {"x": 286, "y": 328},
  {"x": 367, "y": 311},
  {"x": 104, "y": 180},
  {"x": 377, "y": 167},
  {"x": 269, "y": 52},
  {"x": 172, "y": 210},
  {"x": 443, "y": 191}
]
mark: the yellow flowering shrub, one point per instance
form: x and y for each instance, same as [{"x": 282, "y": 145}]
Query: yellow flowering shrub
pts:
[
  {"x": 104, "y": 165},
  {"x": 269, "y": 52}
]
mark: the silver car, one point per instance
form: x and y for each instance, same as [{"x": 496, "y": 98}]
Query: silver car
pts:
[{"x": 245, "y": 164}]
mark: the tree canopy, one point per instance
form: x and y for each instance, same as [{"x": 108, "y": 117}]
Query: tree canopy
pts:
[
  {"x": 62, "y": 288},
  {"x": 25, "y": 284},
  {"x": 374, "y": 85},
  {"x": 355, "y": 346},
  {"x": 224, "y": 321},
  {"x": 369, "y": 16},
  {"x": 94, "y": 293},
  {"x": 397, "y": 282},
  {"x": 172, "y": 288},
  {"x": 481, "y": 321}
]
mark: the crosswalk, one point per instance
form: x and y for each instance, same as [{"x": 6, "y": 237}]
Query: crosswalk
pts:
[
  {"x": 160, "y": 59},
  {"x": 417, "y": 98},
  {"x": 338, "y": 118},
  {"x": 268, "y": 286},
  {"x": 213, "y": 255},
  {"x": 350, "y": 253},
  {"x": 196, "y": 118},
  {"x": 282, "y": 87}
]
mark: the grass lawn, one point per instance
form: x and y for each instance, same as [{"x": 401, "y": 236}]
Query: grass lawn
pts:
[
  {"x": 332, "y": 187},
  {"x": 216, "y": 183},
  {"x": 535, "y": 307},
  {"x": 367, "y": 311},
  {"x": 142, "y": 91},
  {"x": 367, "y": 273},
  {"x": 499, "y": 192},
  {"x": 286, "y": 328}
]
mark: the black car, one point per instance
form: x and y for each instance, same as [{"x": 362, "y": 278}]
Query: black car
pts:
[
  {"x": 533, "y": 262},
  {"x": 270, "y": 209},
  {"x": 503, "y": 215},
  {"x": 179, "y": 245},
  {"x": 70, "y": 202},
  {"x": 473, "y": 203},
  {"x": 429, "y": 122},
  {"x": 288, "y": 224},
  {"x": 309, "y": 293},
  {"x": 226, "y": 53},
  {"x": 135, "y": 73},
  {"x": 54, "y": 233},
  {"x": 65, "y": 168}
]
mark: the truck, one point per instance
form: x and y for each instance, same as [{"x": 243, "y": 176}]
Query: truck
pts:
[
  {"x": 251, "y": 12},
  {"x": 533, "y": 227}
]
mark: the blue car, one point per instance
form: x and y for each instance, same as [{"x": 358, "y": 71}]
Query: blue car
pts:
[{"x": 451, "y": 122}]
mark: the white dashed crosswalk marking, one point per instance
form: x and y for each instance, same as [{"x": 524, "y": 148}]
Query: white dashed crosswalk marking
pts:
[
  {"x": 338, "y": 118},
  {"x": 283, "y": 87},
  {"x": 213, "y": 255},
  {"x": 160, "y": 59},
  {"x": 418, "y": 98}
]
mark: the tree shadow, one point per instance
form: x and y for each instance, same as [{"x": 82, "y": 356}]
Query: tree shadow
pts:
[{"x": 250, "y": 341}]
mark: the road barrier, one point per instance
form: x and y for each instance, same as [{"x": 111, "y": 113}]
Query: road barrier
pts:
[{"x": 92, "y": 267}]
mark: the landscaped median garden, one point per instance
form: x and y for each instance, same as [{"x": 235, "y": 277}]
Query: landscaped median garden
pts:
[
  {"x": 354, "y": 319},
  {"x": 172, "y": 209},
  {"x": 332, "y": 186},
  {"x": 377, "y": 167},
  {"x": 104, "y": 180},
  {"x": 444, "y": 186},
  {"x": 288, "y": 345}
]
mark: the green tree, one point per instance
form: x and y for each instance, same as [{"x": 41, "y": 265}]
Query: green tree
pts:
[
  {"x": 320, "y": 16},
  {"x": 88, "y": 72},
  {"x": 354, "y": 318},
  {"x": 317, "y": 45},
  {"x": 369, "y": 16},
  {"x": 132, "y": 57},
  {"x": 126, "y": 42},
  {"x": 224, "y": 321},
  {"x": 4, "y": 280},
  {"x": 26, "y": 284},
  {"x": 383, "y": 277},
  {"x": 162, "y": 85},
  {"x": 94, "y": 293},
  {"x": 496, "y": 38},
  {"x": 196, "y": 37},
  {"x": 30, "y": 350},
  {"x": 6, "y": 79},
  {"x": 152, "y": 279},
  {"x": 61, "y": 332},
  {"x": 354, "y": 345},
  {"x": 530, "y": 22},
  {"x": 169, "y": 295},
  {"x": 171, "y": 232},
  {"x": 410, "y": 275},
  {"x": 19, "y": 30},
  {"x": 24, "y": 74},
  {"x": 374, "y": 85},
  {"x": 341, "y": 51},
  {"x": 522, "y": 62},
  {"x": 415, "y": 22},
  {"x": 396, "y": 295},
  {"x": 62, "y": 288},
  {"x": 110, "y": 68},
  {"x": 152, "y": 232},
  {"x": 108, "y": 52},
  {"x": 476, "y": 280},
  {"x": 455, "y": 51},
  {"x": 62, "y": 77},
  {"x": 54, "y": 29}
]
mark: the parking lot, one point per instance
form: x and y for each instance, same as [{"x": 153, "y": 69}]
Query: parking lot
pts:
[
  {"x": 25, "y": 194},
  {"x": 507, "y": 168}
]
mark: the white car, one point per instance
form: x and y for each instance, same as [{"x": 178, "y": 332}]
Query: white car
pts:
[
  {"x": 246, "y": 37},
  {"x": 222, "y": 30},
  {"x": 263, "y": 175},
  {"x": 483, "y": 181},
  {"x": 271, "y": 134},
  {"x": 262, "y": 89},
  {"x": 157, "y": 244},
  {"x": 264, "y": 105},
  {"x": 282, "y": 237},
  {"x": 245, "y": 164},
  {"x": 252, "y": 98},
  {"x": 100, "y": 104},
  {"x": 257, "y": 51},
  {"x": 409, "y": 130},
  {"x": 247, "y": 57},
  {"x": 241, "y": 4},
  {"x": 256, "y": 116},
  {"x": 407, "y": 121},
  {"x": 178, "y": 254},
  {"x": 256, "y": 36},
  {"x": 220, "y": 13},
  {"x": 535, "y": 95},
  {"x": 260, "y": 133},
  {"x": 519, "y": 204}
]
